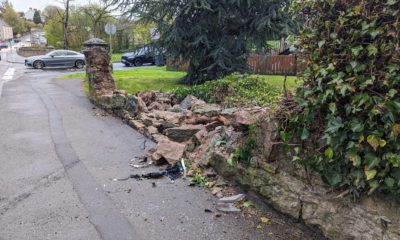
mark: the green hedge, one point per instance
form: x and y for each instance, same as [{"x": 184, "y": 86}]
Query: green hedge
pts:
[{"x": 349, "y": 107}]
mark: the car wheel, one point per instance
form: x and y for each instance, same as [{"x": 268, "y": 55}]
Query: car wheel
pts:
[
  {"x": 138, "y": 62},
  {"x": 38, "y": 65},
  {"x": 79, "y": 64}
]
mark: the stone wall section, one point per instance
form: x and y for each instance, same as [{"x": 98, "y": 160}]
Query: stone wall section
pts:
[{"x": 207, "y": 135}]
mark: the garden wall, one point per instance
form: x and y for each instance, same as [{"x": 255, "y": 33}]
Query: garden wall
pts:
[{"x": 33, "y": 51}]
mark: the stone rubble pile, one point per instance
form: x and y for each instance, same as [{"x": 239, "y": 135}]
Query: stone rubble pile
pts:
[{"x": 180, "y": 129}]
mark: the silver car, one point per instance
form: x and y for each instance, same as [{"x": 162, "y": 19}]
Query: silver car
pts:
[{"x": 57, "y": 58}]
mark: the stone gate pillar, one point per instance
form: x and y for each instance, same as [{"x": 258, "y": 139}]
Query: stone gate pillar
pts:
[{"x": 98, "y": 68}]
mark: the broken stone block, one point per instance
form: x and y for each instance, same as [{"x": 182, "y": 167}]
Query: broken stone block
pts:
[
  {"x": 209, "y": 110},
  {"x": 152, "y": 130},
  {"x": 183, "y": 133},
  {"x": 148, "y": 97},
  {"x": 157, "y": 106},
  {"x": 135, "y": 104},
  {"x": 136, "y": 124},
  {"x": 171, "y": 151},
  {"x": 211, "y": 126},
  {"x": 241, "y": 118},
  {"x": 171, "y": 117},
  {"x": 191, "y": 101}
]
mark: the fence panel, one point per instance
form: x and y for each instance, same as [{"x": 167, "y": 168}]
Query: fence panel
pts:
[
  {"x": 268, "y": 65},
  {"x": 273, "y": 65}
]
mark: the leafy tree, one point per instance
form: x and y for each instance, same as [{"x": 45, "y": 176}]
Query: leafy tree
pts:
[
  {"x": 54, "y": 31},
  {"x": 37, "y": 18},
  {"x": 10, "y": 16},
  {"x": 214, "y": 37},
  {"x": 97, "y": 13}
]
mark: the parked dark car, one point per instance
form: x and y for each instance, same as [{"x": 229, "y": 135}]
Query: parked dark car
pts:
[
  {"x": 141, "y": 56},
  {"x": 57, "y": 58},
  {"x": 3, "y": 45}
]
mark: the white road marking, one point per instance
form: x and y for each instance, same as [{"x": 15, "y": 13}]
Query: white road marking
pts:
[{"x": 8, "y": 76}]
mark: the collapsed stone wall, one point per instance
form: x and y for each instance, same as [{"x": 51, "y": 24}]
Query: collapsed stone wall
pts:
[{"x": 207, "y": 135}]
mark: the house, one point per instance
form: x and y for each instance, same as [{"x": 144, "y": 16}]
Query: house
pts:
[
  {"x": 30, "y": 14},
  {"x": 6, "y": 31}
]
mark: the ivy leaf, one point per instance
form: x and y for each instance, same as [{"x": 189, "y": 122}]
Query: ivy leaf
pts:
[
  {"x": 329, "y": 153},
  {"x": 372, "y": 160},
  {"x": 374, "y": 33},
  {"x": 392, "y": 93},
  {"x": 373, "y": 185},
  {"x": 356, "y": 50},
  {"x": 392, "y": 2},
  {"x": 333, "y": 177},
  {"x": 370, "y": 174},
  {"x": 355, "y": 159},
  {"x": 231, "y": 162},
  {"x": 332, "y": 107},
  {"x": 321, "y": 43},
  {"x": 334, "y": 125},
  {"x": 396, "y": 130},
  {"x": 382, "y": 143},
  {"x": 372, "y": 50},
  {"x": 304, "y": 134},
  {"x": 356, "y": 126},
  {"x": 389, "y": 182},
  {"x": 373, "y": 140}
]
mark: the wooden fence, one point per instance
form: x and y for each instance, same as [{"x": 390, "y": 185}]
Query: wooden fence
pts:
[
  {"x": 273, "y": 65},
  {"x": 265, "y": 65}
]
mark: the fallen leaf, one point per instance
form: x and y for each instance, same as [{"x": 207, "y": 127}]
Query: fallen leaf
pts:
[
  {"x": 264, "y": 220},
  {"x": 248, "y": 204}
]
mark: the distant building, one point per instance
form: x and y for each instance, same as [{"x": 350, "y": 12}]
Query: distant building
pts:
[
  {"x": 29, "y": 14},
  {"x": 6, "y": 31}
]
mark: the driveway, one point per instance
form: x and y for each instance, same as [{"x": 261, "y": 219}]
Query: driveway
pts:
[{"x": 58, "y": 156}]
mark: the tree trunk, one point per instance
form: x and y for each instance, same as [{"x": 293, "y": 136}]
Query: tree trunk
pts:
[{"x": 65, "y": 24}]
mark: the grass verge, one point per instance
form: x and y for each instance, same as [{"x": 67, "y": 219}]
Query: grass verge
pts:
[
  {"x": 139, "y": 79},
  {"x": 159, "y": 79}
]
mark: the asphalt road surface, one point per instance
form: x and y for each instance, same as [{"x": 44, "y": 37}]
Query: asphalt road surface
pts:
[{"x": 58, "y": 155}]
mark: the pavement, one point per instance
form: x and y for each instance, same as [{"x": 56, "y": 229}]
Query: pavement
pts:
[{"x": 58, "y": 156}]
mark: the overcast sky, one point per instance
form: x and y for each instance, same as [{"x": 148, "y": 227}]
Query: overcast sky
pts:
[{"x": 24, "y": 5}]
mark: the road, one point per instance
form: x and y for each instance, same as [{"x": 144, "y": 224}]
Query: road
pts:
[
  {"x": 11, "y": 56},
  {"x": 58, "y": 155}
]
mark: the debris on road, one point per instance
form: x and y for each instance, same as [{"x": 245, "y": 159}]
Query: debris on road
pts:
[
  {"x": 227, "y": 204},
  {"x": 141, "y": 162},
  {"x": 173, "y": 172},
  {"x": 184, "y": 168},
  {"x": 151, "y": 175}
]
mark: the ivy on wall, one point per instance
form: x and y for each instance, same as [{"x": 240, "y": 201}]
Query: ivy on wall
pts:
[{"x": 349, "y": 107}]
